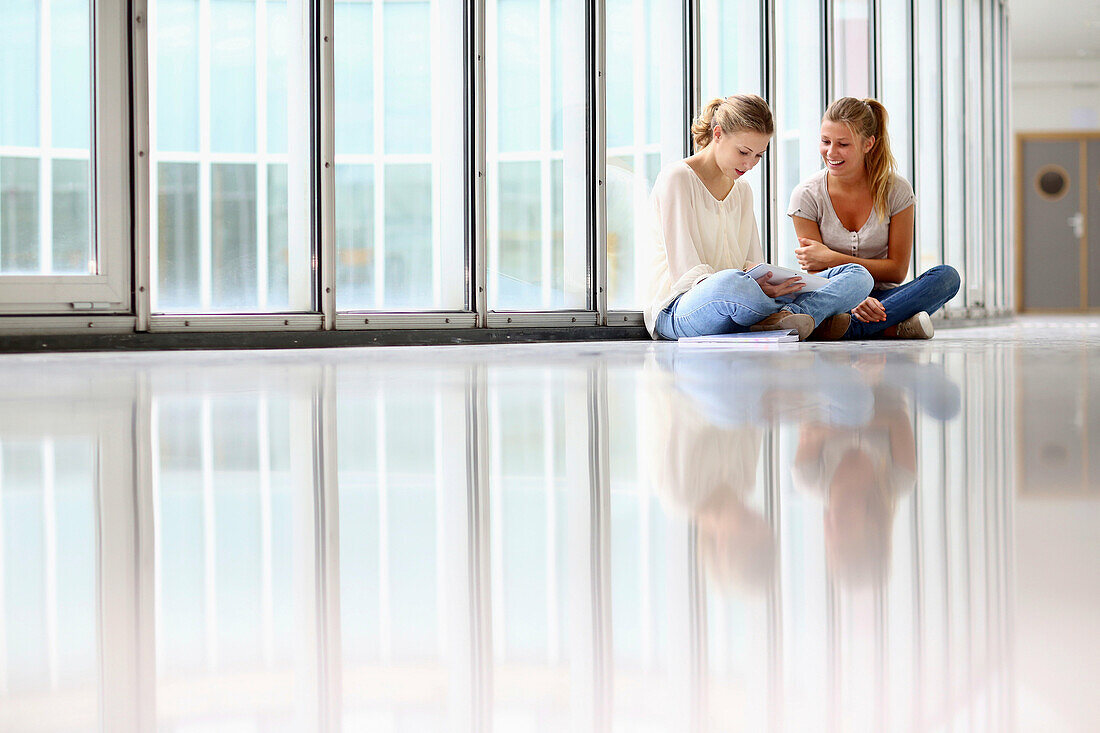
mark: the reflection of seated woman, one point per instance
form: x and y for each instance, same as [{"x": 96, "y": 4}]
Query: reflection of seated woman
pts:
[
  {"x": 860, "y": 473},
  {"x": 770, "y": 388},
  {"x": 705, "y": 473}
]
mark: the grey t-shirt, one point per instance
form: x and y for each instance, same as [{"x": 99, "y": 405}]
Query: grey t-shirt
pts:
[{"x": 810, "y": 200}]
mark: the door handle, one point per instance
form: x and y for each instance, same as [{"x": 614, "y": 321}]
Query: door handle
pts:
[{"x": 1077, "y": 224}]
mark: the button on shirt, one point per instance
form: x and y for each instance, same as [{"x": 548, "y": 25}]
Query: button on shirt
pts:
[{"x": 810, "y": 200}]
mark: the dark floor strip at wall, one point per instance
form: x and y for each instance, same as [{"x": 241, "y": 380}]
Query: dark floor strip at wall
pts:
[{"x": 310, "y": 339}]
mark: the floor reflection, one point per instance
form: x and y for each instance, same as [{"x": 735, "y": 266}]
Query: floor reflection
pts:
[{"x": 613, "y": 537}]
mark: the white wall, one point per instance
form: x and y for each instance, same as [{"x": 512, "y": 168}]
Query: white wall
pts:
[{"x": 1055, "y": 95}]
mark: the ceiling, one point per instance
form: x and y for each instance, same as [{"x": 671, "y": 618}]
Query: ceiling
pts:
[{"x": 1054, "y": 29}]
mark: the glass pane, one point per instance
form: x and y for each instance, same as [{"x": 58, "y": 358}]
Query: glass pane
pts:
[
  {"x": 954, "y": 103},
  {"x": 233, "y": 240},
  {"x": 400, "y": 184},
  {"x": 896, "y": 75},
  {"x": 798, "y": 122},
  {"x": 644, "y": 99},
  {"x": 733, "y": 68},
  {"x": 20, "y": 38},
  {"x": 408, "y": 235},
  {"x": 231, "y": 132},
  {"x": 178, "y": 240},
  {"x": 536, "y": 155},
  {"x": 45, "y": 129},
  {"x": 852, "y": 38},
  {"x": 19, "y": 222},
  {"x": 355, "y": 234},
  {"x": 929, "y": 178},
  {"x": 71, "y": 223}
]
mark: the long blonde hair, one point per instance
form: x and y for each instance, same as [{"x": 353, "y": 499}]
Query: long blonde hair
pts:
[
  {"x": 867, "y": 118},
  {"x": 733, "y": 114}
]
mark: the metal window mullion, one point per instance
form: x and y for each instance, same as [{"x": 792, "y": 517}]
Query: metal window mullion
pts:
[
  {"x": 206, "y": 254},
  {"x": 477, "y": 247},
  {"x": 327, "y": 179},
  {"x": 874, "y": 49},
  {"x": 692, "y": 82},
  {"x": 145, "y": 179},
  {"x": 45, "y": 140},
  {"x": 379, "y": 82},
  {"x": 267, "y": 594},
  {"x": 942, "y": 99},
  {"x": 769, "y": 72},
  {"x": 828, "y": 68},
  {"x": 385, "y": 620},
  {"x": 489, "y": 207},
  {"x": 209, "y": 526},
  {"x": 596, "y": 27},
  {"x": 260, "y": 32},
  {"x": 545, "y": 203},
  {"x": 49, "y": 544},
  {"x": 914, "y": 126}
]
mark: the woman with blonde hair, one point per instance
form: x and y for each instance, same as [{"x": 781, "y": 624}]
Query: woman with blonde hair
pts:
[
  {"x": 705, "y": 239},
  {"x": 858, "y": 210}
]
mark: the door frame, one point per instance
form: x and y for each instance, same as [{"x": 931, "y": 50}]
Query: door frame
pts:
[{"x": 1082, "y": 137}]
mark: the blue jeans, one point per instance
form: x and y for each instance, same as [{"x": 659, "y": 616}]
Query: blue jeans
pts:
[
  {"x": 730, "y": 301},
  {"x": 927, "y": 293}
]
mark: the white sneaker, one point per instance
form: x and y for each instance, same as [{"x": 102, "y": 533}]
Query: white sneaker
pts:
[{"x": 917, "y": 326}]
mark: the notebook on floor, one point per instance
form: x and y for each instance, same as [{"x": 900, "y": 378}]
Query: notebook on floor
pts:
[{"x": 745, "y": 338}]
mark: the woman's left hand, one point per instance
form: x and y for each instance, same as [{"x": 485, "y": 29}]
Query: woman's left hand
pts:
[{"x": 814, "y": 256}]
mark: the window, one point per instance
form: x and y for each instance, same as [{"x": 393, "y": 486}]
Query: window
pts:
[
  {"x": 400, "y": 224},
  {"x": 45, "y": 129},
  {"x": 51, "y": 209},
  {"x": 799, "y": 108},
  {"x": 733, "y": 68},
  {"x": 852, "y": 49},
  {"x": 928, "y": 181},
  {"x": 954, "y": 115},
  {"x": 229, "y": 133},
  {"x": 537, "y": 176},
  {"x": 645, "y": 131}
]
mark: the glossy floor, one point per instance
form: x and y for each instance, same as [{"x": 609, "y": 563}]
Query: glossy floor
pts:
[{"x": 605, "y": 537}]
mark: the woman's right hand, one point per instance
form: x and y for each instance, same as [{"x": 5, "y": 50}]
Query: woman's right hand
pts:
[
  {"x": 870, "y": 311},
  {"x": 787, "y": 287}
]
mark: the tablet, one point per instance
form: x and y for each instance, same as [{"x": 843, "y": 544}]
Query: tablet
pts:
[{"x": 781, "y": 274}]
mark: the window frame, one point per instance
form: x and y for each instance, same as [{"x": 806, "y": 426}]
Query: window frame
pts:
[{"x": 108, "y": 291}]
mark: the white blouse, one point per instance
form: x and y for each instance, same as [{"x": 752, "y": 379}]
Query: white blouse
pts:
[{"x": 694, "y": 235}]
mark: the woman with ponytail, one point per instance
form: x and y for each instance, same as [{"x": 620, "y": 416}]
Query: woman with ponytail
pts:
[
  {"x": 859, "y": 210},
  {"x": 705, "y": 238}
]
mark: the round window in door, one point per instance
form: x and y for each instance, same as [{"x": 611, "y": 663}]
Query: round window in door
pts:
[{"x": 1051, "y": 182}]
